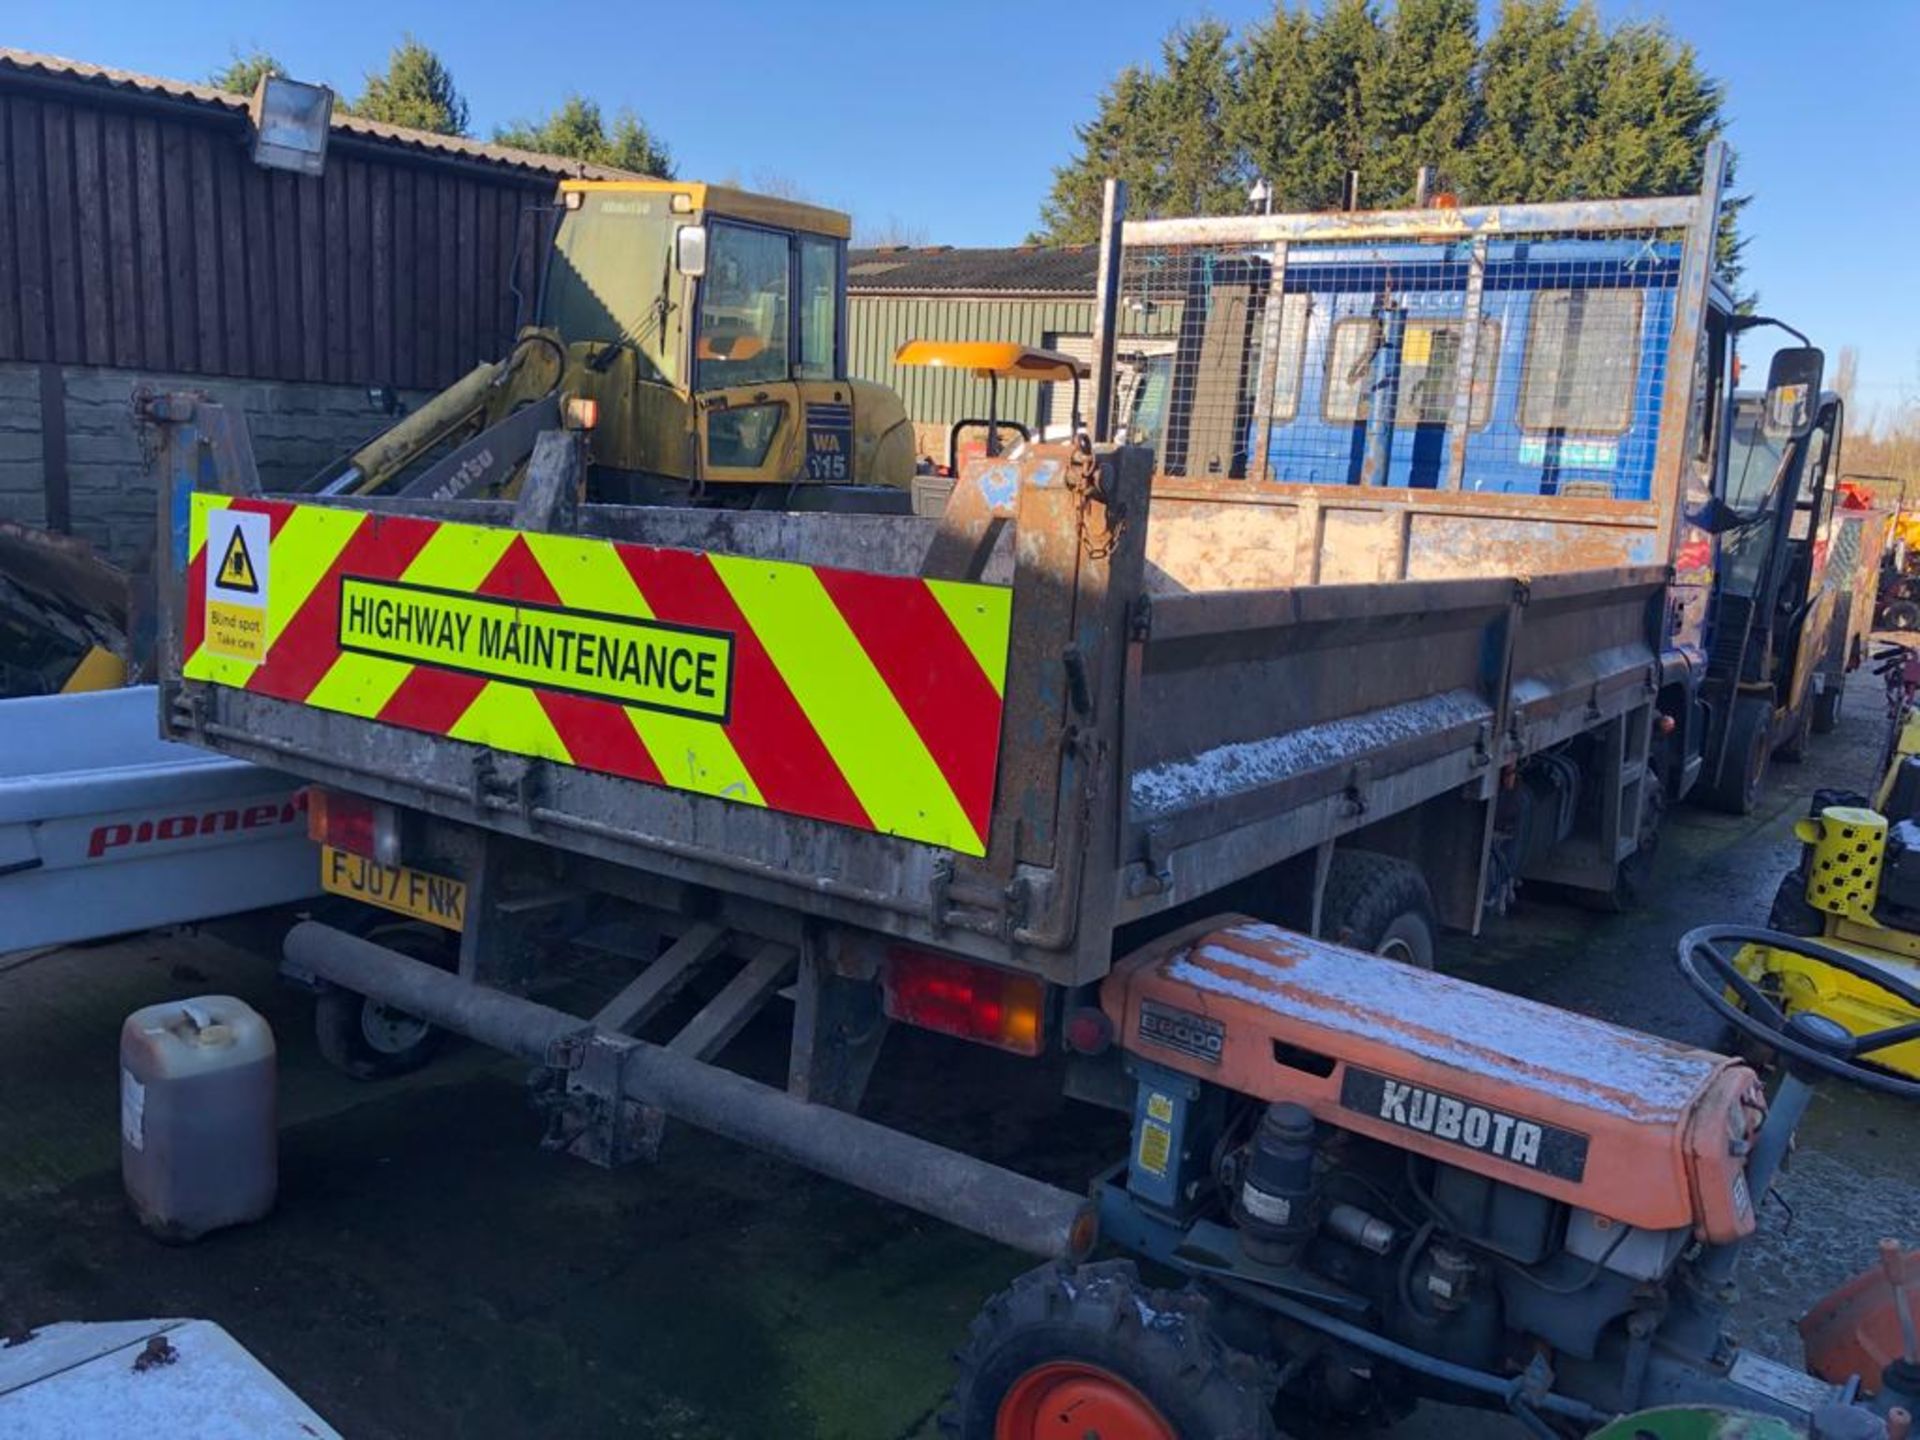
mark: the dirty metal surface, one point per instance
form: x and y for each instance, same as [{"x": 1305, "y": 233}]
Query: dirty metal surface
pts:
[{"x": 1240, "y": 534}]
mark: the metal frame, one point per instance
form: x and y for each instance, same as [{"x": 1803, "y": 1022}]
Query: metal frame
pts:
[
  {"x": 1591, "y": 537},
  {"x": 612, "y": 1092}
]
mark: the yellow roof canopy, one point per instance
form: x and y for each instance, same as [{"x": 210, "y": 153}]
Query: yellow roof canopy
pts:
[
  {"x": 725, "y": 202},
  {"x": 985, "y": 358}
]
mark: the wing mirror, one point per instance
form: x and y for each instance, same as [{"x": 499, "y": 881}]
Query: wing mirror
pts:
[
  {"x": 690, "y": 250},
  {"x": 1793, "y": 391}
]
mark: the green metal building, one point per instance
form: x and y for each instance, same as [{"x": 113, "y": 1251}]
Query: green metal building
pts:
[{"x": 1029, "y": 295}]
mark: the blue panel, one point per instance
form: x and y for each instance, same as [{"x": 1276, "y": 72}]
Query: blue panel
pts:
[{"x": 1156, "y": 1169}]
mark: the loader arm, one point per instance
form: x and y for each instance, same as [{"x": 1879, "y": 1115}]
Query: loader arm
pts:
[{"x": 475, "y": 401}]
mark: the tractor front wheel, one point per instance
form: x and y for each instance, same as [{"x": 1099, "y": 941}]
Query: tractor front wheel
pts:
[{"x": 1070, "y": 1353}]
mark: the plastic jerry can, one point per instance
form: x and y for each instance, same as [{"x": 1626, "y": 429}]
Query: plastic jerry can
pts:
[{"x": 197, "y": 1130}]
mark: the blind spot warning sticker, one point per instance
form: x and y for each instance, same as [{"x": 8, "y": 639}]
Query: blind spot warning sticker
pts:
[{"x": 238, "y": 578}]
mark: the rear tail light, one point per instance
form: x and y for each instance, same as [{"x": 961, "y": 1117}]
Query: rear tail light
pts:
[
  {"x": 974, "y": 1002},
  {"x": 355, "y": 824}
]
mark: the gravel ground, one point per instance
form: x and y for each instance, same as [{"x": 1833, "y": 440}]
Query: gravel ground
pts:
[{"x": 430, "y": 1273}]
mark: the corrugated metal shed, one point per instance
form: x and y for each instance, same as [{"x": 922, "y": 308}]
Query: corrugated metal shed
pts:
[
  {"x": 1029, "y": 294},
  {"x": 1026, "y": 294},
  {"x": 879, "y": 324},
  {"x": 1023, "y": 270},
  {"x": 136, "y": 233}
]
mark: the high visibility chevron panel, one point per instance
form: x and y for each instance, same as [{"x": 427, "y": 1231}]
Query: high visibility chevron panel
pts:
[{"x": 862, "y": 699}]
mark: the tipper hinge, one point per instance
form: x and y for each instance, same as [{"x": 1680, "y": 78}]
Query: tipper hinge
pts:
[
  {"x": 939, "y": 884},
  {"x": 520, "y": 783}
]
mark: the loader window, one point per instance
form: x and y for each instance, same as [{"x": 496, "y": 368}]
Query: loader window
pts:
[
  {"x": 608, "y": 277},
  {"x": 1429, "y": 357},
  {"x": 1753, "y": 469},
  {"x": 743, "y": 309},
  {"x": 819, "y": 307}
]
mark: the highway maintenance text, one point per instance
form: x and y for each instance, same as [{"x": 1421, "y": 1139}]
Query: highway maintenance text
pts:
[{"x": 674, "y": 668}]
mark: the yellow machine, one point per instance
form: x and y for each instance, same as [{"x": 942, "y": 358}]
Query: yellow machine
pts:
[
  {"x": 698, "y": 331},
  {"x": 1858, "y": 890},
  {"x": 994, "y": 361}
]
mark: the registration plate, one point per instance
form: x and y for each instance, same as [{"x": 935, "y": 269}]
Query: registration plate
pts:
[{"x": 399, "y": 888}]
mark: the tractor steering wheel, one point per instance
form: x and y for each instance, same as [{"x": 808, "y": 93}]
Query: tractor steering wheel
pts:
[{"x": 1812, "y": 1041}]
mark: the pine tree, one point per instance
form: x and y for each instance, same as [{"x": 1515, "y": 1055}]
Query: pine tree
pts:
[
  {"x": 243, "y": 73},
  {"x": 1165, "y": 132},
  {"x": 1542, "y": 72},
  {"x": 1420, "y": 100},
  {"x": 1549, "y": 105},
  {"x": 1336, "y": 134},
  {"x": 1278, "y": 107},
  {"x": 415, "y": 90},
  {"x": 1196, "y": 170},
  {"x": 1111, "y": 144},
  {"x": 579, "y": 131}
]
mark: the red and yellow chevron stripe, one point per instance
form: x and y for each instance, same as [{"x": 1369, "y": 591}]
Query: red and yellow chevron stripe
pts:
[{"x": 865, "y": 700}]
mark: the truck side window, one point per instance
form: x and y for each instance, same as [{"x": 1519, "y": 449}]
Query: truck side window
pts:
[
  {"x": 1583, "y": 356},
  {"x": 743, "y": 309},
  {"x": 1710, "y": 376},
  {"x": 1429, "y": 363},
  {"x": 1290, "y": 357},
  {"x": 1350, "y": 370}
]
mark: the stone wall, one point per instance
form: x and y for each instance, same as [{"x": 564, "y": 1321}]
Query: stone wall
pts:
[{"x": 296, "y": 427}]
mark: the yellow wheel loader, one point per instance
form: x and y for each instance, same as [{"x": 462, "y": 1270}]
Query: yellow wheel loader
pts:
[{"x": 700, "y": 334}]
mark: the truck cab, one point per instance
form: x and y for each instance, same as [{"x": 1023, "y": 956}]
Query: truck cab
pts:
[{"x": 1771, "y": 620}]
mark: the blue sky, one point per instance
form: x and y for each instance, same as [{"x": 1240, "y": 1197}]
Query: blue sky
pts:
[{"x": 949, "y": 117}]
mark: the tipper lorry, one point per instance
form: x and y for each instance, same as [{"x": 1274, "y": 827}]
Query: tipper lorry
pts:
[{"x": 1051, "y": 771}]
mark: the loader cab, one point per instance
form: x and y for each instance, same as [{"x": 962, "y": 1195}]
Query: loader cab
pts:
[{"x": 710, "y": 326}]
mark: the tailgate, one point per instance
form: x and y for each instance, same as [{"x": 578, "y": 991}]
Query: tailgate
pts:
[
  {"x": 866, "y": 700},
  {"x": 805, "y": 709}
]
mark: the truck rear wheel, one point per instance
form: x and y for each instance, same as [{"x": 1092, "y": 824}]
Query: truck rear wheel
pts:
[
  {"x": 1066, "y": 1353},
  {"x": 1749, "y": 745},
  {"x": 372, "y": 1041},
  {"x": 1901, "y": 615},
  {"x": 1633, "y": 875},
  {"x": 1379, "y": 903}
]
